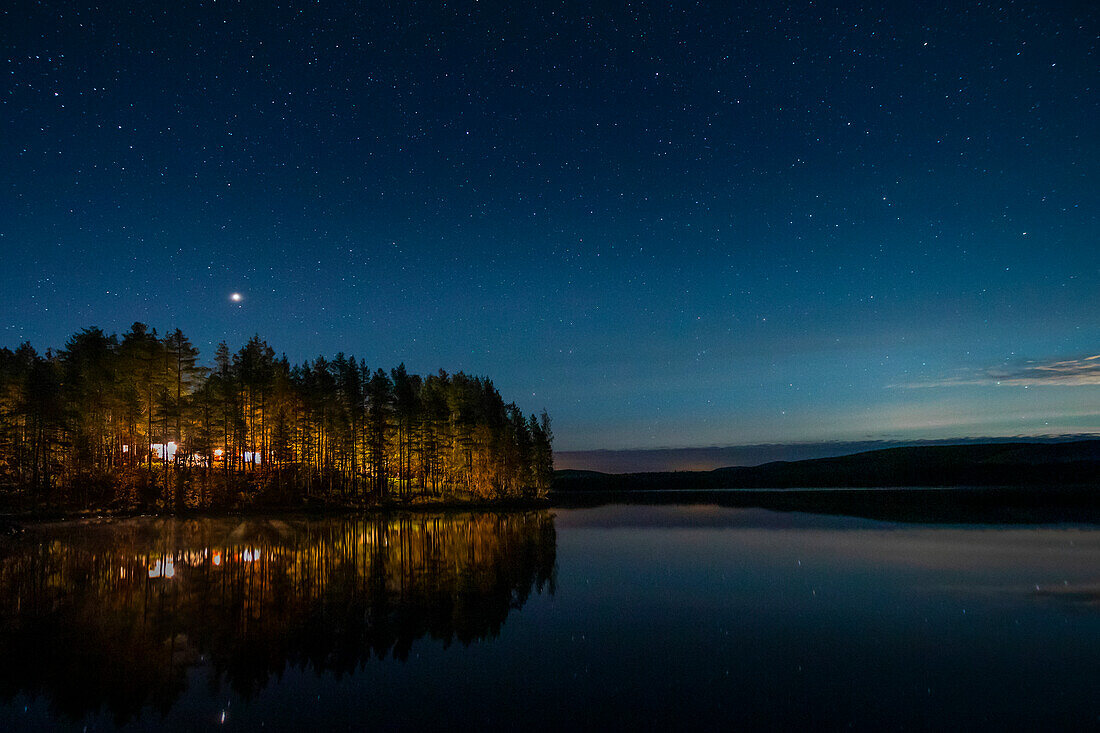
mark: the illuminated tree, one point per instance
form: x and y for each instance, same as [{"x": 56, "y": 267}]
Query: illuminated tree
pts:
[{"x": 138, "y": 422}]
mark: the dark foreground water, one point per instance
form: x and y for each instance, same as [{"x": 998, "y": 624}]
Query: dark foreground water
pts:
[{"x": 612, "y": 617}]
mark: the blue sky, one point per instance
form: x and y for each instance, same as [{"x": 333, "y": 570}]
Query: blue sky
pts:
[{"x": 668, "y": 225}]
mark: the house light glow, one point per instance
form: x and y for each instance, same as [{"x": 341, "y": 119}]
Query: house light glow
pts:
[{"x": 164, "y": 452}]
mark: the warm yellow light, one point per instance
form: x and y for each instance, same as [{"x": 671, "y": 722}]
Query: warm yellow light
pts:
[{"x": 219, "y": 452}]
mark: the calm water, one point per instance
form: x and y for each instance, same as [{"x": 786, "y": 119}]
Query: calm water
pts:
[{"x": 612, "y": 617}]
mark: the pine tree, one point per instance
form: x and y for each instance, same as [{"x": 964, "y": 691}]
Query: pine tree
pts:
[{"x": 80, "y": 426}]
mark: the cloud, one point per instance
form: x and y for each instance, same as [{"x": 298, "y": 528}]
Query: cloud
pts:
[{"x": 1062, "y": 373}]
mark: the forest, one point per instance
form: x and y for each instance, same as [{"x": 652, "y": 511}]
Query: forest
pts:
[{"x": 138, "y": 423}]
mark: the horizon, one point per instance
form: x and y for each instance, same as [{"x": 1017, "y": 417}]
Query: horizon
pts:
[
  {"x": 663, "y": 225},
  {"x": 709, "y": 458}
]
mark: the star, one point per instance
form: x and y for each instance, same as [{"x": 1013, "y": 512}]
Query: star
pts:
[{"x": 236, "y": 297}]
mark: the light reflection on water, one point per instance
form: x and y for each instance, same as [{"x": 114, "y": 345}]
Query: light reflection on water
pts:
[
  {"x": 110, "y": 620},
  {"x": 671, "y": 616}
]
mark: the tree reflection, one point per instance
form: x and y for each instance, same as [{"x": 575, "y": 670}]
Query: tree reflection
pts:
[{"x": 116, "y": 614}]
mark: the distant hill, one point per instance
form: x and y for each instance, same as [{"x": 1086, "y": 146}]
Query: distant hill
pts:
[
  {"x": 708, "y": 458},
  {"x": 1075, "y": 463}
]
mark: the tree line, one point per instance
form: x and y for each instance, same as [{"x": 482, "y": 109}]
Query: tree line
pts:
[{"x": 138, "y": 422}]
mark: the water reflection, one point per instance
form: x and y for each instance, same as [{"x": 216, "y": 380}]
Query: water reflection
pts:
[{"x": 117, "y": 614}]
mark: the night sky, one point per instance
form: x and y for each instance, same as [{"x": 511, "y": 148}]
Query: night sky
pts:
[{"x": 669, "y": 224}]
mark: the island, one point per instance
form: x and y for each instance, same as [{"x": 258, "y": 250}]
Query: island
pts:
[{"x": 136, "y": 423}]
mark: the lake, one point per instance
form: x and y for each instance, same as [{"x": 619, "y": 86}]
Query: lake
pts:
[{"x": 617, "y": 616}]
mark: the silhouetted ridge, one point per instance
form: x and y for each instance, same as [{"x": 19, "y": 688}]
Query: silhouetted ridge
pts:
[{"x": 1073, "y": 463}]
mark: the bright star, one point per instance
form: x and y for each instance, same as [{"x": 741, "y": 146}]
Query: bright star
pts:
[{"x": 236, "y": 297}]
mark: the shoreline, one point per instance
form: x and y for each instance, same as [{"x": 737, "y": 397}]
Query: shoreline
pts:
[
  {"x": 906, "y": 504},
  {"x": 28, "y": 518},
  {"x": 1020, "y": 504}
]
